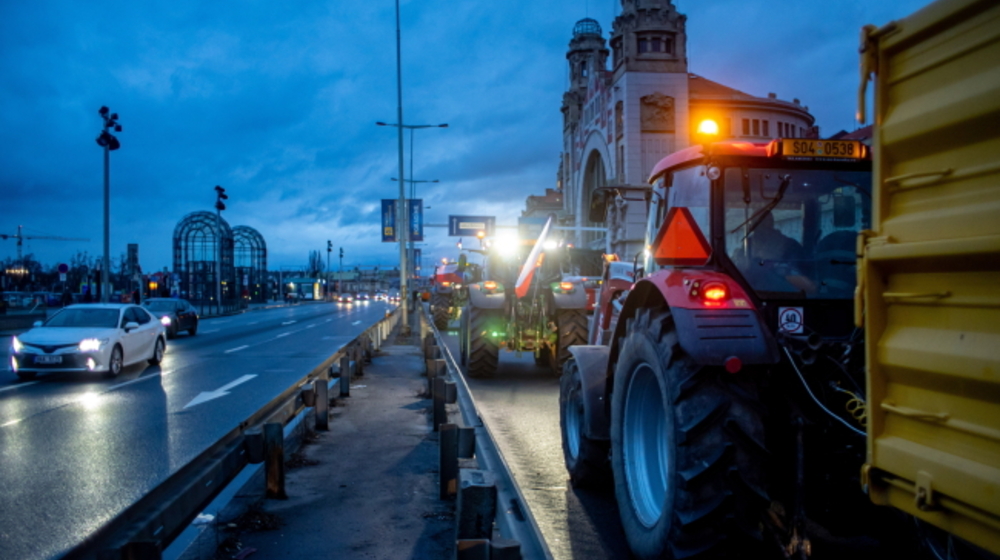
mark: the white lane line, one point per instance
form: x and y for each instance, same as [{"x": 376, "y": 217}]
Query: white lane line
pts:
[
  {"x": 356, "y": 323},
  {"x": 237, "y": 349},
  {"x": 328, "y": 321},
  {"x": 288, "y": 323},
  {"x": 210, "y": 331},
  {"x": 283, "y": 334},
  {"x": 18, "y": 386},
  {"x": 254, "y": 323},
  {"x": 310, "y": 326}
]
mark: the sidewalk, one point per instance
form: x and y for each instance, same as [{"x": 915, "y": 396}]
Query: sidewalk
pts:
[{"x": 367, "y": 489}]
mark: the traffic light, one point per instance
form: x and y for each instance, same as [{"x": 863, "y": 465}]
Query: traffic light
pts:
[
  {"x": 329, "y": 246},
  {"x": 341, "y": 252},
  {"x": 220, "y": 196}
]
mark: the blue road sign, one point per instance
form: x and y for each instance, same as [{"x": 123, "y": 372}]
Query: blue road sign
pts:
[
  {"x": 388, "y": 220},
  {"x": 416, "y": 207},
  {"x": 461, "y": 226}
]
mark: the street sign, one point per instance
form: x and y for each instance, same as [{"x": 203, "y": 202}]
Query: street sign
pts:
[
  {"x": 461, "y": 226},
  {"x": 388, "y": 220},
  {"x": 63, "y": 268}
]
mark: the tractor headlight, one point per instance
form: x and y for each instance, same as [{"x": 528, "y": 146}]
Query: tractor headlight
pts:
[{"x": 92, "y": 344}]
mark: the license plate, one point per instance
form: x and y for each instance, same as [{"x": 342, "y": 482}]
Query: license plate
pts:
[
  {"x": 841, "y": 149},
  {"x": 48, "y": 359}
]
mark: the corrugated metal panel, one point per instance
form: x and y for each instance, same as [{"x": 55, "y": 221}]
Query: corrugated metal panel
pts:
[{"x": 931, "y": 273}]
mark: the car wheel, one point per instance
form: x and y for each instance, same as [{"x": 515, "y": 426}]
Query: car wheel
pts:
[
  {"x": 116, "y": 362},
  {"x": 171, "y": 333},
  {"x": 158, "y": 350},
  {"x": 193, "y": 330}
]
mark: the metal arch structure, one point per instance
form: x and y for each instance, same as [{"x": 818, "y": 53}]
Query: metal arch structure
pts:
[
  {"x": 196, "y": 251},
  {"x": 250, "y": 262}
]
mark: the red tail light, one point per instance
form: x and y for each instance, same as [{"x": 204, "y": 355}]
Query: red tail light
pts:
[
  {"x": 566, "y": 286},
  {"x": 715, "y": 291},
  {"x": 490, "y": 285}
]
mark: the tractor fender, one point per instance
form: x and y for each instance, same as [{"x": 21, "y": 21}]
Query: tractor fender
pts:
[
  {"x": 710, "y": 335},
  {"x": 483, "y": 299},
  {"x": 577, "y": 299},
  {"x": 592, "y": 362}
]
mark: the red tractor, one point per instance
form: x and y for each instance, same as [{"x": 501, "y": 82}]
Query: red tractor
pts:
[
  {"x": 448, "y": 291},
  {"x": 723, "y": 390}
]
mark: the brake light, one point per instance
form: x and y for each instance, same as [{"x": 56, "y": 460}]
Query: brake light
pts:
[
  {"x": 566, "y": 286},
  {"x": 445, "y": 284},
  {"x": 490, "y": 285},
  {"x": 715, "y": 291}
]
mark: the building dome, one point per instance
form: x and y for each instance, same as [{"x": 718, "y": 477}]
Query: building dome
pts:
[{"x": 586, "y": 26}]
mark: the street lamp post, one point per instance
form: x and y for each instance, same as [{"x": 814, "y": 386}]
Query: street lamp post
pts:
[
  {"x": 220, "y": 205},
  {"x": 329, "y": 249},
  {"x": 109, "y": 142}
]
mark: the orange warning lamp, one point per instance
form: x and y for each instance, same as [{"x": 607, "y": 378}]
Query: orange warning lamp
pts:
[
  {"x": 708, "y": 127},
  {"x": 680, "y": 241}
]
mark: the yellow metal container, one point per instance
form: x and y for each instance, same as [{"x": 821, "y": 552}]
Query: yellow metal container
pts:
[{"x": 929, "y": 282}]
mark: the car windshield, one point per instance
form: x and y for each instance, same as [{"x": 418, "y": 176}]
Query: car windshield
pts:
[
  {"x": 159, "y": 305},
  {"x": 792, "y": 232},
  {"x": 99, "y": 318}
]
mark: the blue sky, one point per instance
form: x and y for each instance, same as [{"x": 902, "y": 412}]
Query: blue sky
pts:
[{"x": 278, "y": 105}]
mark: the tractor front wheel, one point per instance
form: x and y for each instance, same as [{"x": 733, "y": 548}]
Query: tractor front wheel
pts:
[
  {"x": 586, "y": 459},
  {"x": 483, "y": 349},
  {"x": 687, "y": 449},
  {"x": 440, "y": 310},
  {"x": 572, "y": 325}
]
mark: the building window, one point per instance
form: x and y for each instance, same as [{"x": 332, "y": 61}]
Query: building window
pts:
[
  {"x": 746, "y": 127},
  {"x": 756, "y": 127},
  {"x": 583, "y": 69},
  {"x": 766, "y": 124},
  {"x": 655, "y": 43}
]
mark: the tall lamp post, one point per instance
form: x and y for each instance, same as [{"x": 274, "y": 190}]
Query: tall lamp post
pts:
[
  {"x": 109, "y": 142},
  {"x": 220, "y": 205},
  {"x": 329, "y": 249}
]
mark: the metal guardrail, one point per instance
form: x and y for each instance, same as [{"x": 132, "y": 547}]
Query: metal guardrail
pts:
[
  {"x": 513, "y": 517},
  {"x": 147, "y": 527}
]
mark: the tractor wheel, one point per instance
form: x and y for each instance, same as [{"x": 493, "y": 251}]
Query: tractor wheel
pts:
[
  {"x": 586, "y": 459},
  {"x": 440, "y": 305},
  {"x": 687, "y": 449},
  {"x": 483, "y": 350},
  {"x": 572, "y": 324},
  {"x": 463, "y": 337}
]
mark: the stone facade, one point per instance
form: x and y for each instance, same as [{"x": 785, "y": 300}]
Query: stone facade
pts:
[{"x": 618, "y": 122}]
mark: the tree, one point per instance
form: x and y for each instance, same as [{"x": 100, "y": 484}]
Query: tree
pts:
[{"x": 316, "y": 266}]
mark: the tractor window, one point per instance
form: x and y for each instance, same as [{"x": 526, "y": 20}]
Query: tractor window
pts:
[
  {"x": 791, "y": 232},
  {"x": 690, "y": 188}
]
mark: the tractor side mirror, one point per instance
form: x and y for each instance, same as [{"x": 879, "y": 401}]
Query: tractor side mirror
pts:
[
  {"x": 844, "y": 212},
  {"x": 598, "y": 207}
]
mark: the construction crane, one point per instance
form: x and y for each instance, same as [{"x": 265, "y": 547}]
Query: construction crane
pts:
[{"x": 21, "y": 237}]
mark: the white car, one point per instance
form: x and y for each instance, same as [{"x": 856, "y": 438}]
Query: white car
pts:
[{"x": 102, "y": 337}]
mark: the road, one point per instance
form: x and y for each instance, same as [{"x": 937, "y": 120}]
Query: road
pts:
[
  {"x": 521, "y": 407},
  {"x": 78, "y": 449}
]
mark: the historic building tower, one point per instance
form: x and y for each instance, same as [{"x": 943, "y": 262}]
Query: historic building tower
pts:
[{"x": 619, "y": 122}]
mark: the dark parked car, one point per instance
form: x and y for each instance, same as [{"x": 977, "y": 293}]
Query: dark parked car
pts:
[{"x": 175, "y": 314}]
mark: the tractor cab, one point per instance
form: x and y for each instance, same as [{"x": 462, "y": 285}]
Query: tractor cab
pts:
[{"x": 778, "y": 220}]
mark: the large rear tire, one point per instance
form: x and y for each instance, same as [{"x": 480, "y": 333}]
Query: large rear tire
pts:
[
  {"x": 463, "y": 337},
  {"x": 687, "y": 449},
  {"x": 572, "y": 325},
  {"x": 586, "y": 459},
  {"x": 440, "y": 310},
  {"x": 484, "y": 351}
]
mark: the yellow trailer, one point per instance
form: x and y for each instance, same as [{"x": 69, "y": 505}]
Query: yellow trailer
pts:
[{"x": 929, "y": 281}]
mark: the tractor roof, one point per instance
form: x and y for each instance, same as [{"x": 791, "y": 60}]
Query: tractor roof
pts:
[{"x": 724, "y": 148}]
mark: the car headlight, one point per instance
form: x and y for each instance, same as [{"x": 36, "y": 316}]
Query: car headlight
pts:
[
  {"x": 16, "y": 345},
  {"x": 165, "y": 320},
  {"x": 92, "y": 344}
]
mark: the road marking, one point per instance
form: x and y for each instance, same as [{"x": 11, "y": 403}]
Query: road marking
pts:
[
  {"x": 288, "y": 323},
  {"x": 283, "y": 334},
  {"x": 310, "y": 326},
  {"x": 18, "y": 386},
  {"x": 254, "y": 323},
  {"x": 220, "y": 392},
  {"x": 356, "y": 323},
  {"x": 210, "y": 331},
  {"x": 328, "y": 321},
  {"x": 237, "y": 349}
]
